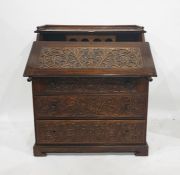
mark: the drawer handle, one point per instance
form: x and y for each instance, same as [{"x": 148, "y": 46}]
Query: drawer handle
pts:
[
  {"x": 129, "y": 84},
  {"x": 126, "y": 131},
  {"x": 53, "y": 106},
  {"x": 126, "y": 107},
  {"x": 53, "y": 84}
]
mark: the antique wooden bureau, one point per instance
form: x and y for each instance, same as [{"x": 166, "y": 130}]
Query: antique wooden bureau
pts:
[{"x": 90, "y": 89}]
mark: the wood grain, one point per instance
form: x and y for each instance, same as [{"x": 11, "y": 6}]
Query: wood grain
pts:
[
  {"x": 109, "y": 132},
  {"x": 87, "y": 106},
  {"x": 92, "y": 85}
]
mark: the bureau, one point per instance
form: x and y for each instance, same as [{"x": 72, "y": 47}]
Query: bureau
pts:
[{"x": 90, "y": 89}]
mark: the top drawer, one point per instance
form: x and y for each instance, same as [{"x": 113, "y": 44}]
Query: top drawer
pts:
[{"x": 93, "y": 85}]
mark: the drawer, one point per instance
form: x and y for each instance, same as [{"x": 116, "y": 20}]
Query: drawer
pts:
[
  {"x": 55, "y": 86},
  {"x": 107, "y": 132},
  {"x": 90, "y": 106}
]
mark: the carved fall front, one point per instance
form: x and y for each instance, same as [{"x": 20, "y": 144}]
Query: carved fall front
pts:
[{"x": 92, "y": 57}]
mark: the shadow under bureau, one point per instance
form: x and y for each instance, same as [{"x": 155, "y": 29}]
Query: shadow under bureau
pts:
[{"x": 90, "y": 89}]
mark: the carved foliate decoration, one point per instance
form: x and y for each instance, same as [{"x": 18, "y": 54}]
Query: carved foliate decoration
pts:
[
  {"x": 91, "y": 105},
  {"x": 89, "y": 131},
  {"x": 90, "y": 57},
  {"x": 93, "y": 85}
]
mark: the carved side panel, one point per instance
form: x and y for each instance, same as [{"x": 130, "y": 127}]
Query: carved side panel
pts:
[
  {"x": 90, "y": 131},
  {"x": 90, "y": 105}
]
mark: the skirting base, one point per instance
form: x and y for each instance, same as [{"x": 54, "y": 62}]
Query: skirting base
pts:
[{"x": 138, "y": 150}]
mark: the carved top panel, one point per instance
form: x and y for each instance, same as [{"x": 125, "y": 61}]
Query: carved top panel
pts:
[{"x": 84, "y": 57}]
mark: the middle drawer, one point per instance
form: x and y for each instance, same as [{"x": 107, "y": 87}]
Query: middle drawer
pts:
[{"x": 90, "y": 106}]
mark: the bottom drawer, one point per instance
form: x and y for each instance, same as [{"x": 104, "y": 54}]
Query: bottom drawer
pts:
[{"x": 106, "y": 132}]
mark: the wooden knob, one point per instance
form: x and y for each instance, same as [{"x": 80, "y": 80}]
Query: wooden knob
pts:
[
  {"x": 29, "y": 79},
  {"x": 149, "y": 78}
]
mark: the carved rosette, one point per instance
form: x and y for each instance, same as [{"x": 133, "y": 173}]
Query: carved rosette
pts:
[{"x": 90, "y": 57}]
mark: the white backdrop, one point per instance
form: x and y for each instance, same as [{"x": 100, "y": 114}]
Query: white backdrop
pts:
[{"x": 18, "y": 19}]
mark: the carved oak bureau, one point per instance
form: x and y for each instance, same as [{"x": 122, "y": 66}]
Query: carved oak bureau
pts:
[{"x": 90, "y": 89}]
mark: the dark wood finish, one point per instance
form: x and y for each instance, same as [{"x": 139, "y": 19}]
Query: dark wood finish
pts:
[
  {"x": 56, "y": 59},
  {"x": 89, "y": 28},
  {"x": 93, "y": 85},
  {"x": 138, "y": 150},
  {"x": 90, "y": 89},
  {"x": 91, "y": 38},
  {"x": 122, "y": 33},
  {"x": 101, "y": 132},
  {"x": 90, "y": 106}
]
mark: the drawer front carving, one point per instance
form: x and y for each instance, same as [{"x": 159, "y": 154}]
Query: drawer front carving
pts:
[
  {"x": 90, "y": 106},
  {"x": 55, "y": 86},
  {"x": 90, "y": 131}
]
